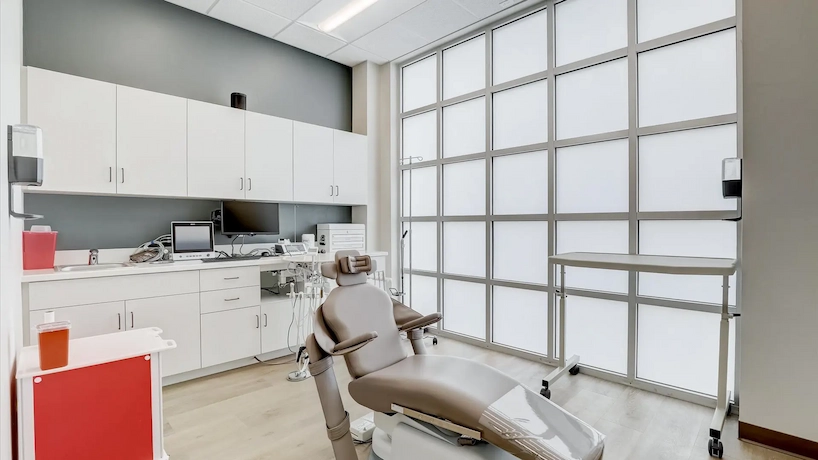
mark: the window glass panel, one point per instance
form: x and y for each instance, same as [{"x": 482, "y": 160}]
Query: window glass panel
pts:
[
  {"x": 593, "y": 100},
  {"x": 424, "y": 294},
  {"x": 597, "y": 331},
  {"x": 464, "y": 188},
  {"x": 464, "y": 308},
  {"x": 422, "y": 183},
  {"x": 464, "y": 128},
  {"x": 658, "y": 18},
  {"x": 593, "y": 236},
  {"x": 421, "y": 243},
  {"x": 521, "y": 319},
  {"x": 420, "y": 136},
  {"x": 520, "y": 48},
  {"x": 419, "y": 83},
  {"x": 521, "y": 183},
  {"x": 464, "y": 67},
  {"x": 464, "y": 248},
  {"x": 521, "y": 115},
  {"x": 593, "y": 177},
  {"x": 681, "y": 348},
  {"x": 587, "y": 28},
  {"x": 688, "y": 80},
  {"x": 521, "y": 252},
  {"x": 681, "y": 171},
  {"x": 692, "y": 238}
]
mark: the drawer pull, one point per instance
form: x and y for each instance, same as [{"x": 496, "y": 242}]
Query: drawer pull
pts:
[
  {"x": 258, "y": 322},
  {"x": 232, "y": 300},
  {"x": 265, "y": 320},
  {"x": 231, "y": 278},
  {"x": 119, "y": 321},
  {"x": 132, "y": 326}
]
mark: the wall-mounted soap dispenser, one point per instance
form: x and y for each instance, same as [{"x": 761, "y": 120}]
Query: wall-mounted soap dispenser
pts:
[{"x": 25, "y": 145}]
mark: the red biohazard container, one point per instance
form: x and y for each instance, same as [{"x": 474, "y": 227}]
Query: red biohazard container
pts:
[{"x": 38, "y": 250}]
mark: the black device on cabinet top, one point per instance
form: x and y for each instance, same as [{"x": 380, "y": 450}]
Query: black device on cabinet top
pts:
[{"x": 249, "y": 218}]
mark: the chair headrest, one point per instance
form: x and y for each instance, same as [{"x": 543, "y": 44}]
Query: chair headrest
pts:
[{"x": 349, "y": 268}]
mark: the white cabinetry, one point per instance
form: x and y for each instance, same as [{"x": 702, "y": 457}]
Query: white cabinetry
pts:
[
  {"x": 276, "y": 317},
  {"x": 230, "y": 335},
  {"x": 151, "y": 143},
  {"x": 313, "y": 164},
  {"x": 86, "y": 320},
  {"x": 350, "y": 168},
  {"x": 268, "y": 158},
  {"x": 178, "y": 317},
  {"x": 78, "y": 119},
  {"x": 215, "y": 151}
]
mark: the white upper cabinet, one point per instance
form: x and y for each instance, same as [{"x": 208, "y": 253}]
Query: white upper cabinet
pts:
[
  {"x": 313, "y": 164},
  {"x": 350, "y": 168},
  {"x": 215, "y": 151},
  {"x": 151, "y": 143},
  {"x": 78, "y": 119},
  {"x": 268, "y": 158}
]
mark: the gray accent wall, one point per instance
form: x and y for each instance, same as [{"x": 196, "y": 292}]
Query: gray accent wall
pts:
[
  {"x": 109, "y": 222},
  {"x": 158, "y": 46}
]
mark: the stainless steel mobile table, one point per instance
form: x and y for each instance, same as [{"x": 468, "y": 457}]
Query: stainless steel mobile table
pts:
[{"x": 654, "y": 264}]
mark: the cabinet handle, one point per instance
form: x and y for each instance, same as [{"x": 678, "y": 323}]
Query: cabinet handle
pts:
[
  {"x": 330, "y": 190},
  {"x": 265, "y": 320},
  {"x": 123, "y": 175},
  {"x": 337, "y": 191},
  {"x": 231, "y": 278},
  {"x": 258, "y": 322},
  {"x": 232, "y": 300},
  {"x": 242, "y": 184},
  {"x": 132, "y": 320},
  {"x": 249, "y": 183},
  {"x": 119, "y": 321},
  {"x": 110, "y": 173}
]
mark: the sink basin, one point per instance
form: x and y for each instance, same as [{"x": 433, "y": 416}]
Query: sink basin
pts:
[{"x": 86, "y": 268}]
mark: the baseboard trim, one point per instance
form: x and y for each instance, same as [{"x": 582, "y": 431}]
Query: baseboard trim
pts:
[{"x": 776, "y": 440}]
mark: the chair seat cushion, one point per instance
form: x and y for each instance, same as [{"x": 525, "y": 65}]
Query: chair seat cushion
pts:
[{"x": 482, "y": 398}]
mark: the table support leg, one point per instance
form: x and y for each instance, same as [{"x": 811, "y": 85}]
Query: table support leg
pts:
[
  {"x": 715, "y": 447},
  {"x": 570, "y": 365}
]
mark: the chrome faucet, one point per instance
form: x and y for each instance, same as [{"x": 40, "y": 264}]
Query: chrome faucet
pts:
[{"x": 93, "y": 257}]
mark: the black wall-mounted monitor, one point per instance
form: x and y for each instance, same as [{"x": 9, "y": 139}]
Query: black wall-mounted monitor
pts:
[{"x": 248, "y": 218}]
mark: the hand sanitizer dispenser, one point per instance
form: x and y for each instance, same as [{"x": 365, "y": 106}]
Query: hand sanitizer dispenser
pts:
[
  {"x": 25, "y": 146},
  {"x": 731, "y": 178}
]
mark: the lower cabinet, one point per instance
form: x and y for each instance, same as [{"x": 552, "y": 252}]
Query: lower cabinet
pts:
[
  {"x": 86, "y": 320},
  {"x": 231, "y": 335},
  {"x": 276, "y": 318},
  {"x": 178, "y": 317}
]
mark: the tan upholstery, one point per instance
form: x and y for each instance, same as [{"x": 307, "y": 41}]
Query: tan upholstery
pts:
[{"x": 355, "y": 264}]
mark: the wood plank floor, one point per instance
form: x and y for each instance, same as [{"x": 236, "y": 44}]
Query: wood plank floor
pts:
[{"x": 253, "y": 413}]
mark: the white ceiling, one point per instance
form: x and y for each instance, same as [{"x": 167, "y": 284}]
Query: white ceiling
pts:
[{"x": 381, "y": 33}]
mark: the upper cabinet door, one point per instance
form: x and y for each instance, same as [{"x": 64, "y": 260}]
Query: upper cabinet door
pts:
[
  {"x": 268, "y": 158},
  {"x": 312, "y": 164},
  {"x": 215, "y": 151},
  {"x": 351, "y": 178},
  {"x": 78, "y": 119},
  {"x": 151, "y": 143}
]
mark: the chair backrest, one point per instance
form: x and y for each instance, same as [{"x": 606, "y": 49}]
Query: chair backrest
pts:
[{"x": 356, "y": 307}]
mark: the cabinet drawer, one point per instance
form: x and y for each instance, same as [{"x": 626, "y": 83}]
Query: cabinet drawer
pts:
[
  {"x": 229, "y": 299},
  {"x": 55, "y": 294},
  {"x": 227, "y": 278}
]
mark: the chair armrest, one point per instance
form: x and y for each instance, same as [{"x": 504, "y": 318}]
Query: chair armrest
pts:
[
  {"x": 424, "y": 321},
  {"x": 350, "y": 345}
]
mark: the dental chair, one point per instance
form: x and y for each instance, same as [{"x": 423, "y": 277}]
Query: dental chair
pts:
[{"x": 426, "y": 407}]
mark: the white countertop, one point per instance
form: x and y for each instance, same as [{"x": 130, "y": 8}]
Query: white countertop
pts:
[
  {"x": 648, "y": 264},
  {"x": 264, "y": 264}
]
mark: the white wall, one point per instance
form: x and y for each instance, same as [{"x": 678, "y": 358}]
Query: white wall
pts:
[
  {"x": 365, "y": 121},
  {"x": 779, "y": 363},
  {"x": 389, "y": 224},
  {"x": 10, "y": 230}
]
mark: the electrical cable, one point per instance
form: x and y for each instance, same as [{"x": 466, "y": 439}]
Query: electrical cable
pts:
[
  {"x": 289, "y": 360},
  {"x": 233, "y": 251}
]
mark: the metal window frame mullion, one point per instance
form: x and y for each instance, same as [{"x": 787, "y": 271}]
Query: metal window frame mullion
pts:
[
  {"x": 552, "y": 171},
  {"x": 488, "y": 203},
  {"x": 633, "y": 172}
]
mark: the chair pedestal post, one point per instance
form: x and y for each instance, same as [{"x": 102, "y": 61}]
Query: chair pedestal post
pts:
[{"x": 416, "y": 338}]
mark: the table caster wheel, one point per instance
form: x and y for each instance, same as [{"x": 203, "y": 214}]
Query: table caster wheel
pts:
[
  {"x": 434, "y": 341},
  {"x": 546, "y": 393},
  {"x": 574, "y": 370},
  {"x": 715, "y": 448}
]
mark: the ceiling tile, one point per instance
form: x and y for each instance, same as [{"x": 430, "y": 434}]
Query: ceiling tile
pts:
[
  {"x": 352, "y": 56},
  {"x": 322, "y": 11},
  {"x": 250, "y": 17},
  {"x": 309, "y": 39},
  {"x": 390, "y": 41},
  {"x": 373, "y": 17},
  {"x": 196, "y": 5},
  {"x": 290, "y": 9},
  {"x": 485, "y": 8},
  {"x": 435, "y": 19}
]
